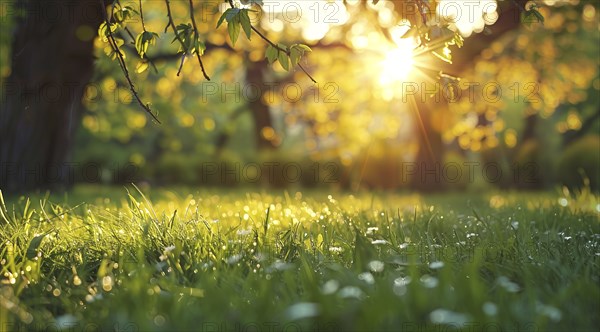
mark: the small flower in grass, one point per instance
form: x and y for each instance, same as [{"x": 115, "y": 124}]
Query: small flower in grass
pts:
[
  {"x": 436, "y": 265},
  {"x": 234, "y": 259},
  {"x": 376, "y": 242},
  {"x": 372, "y": 230},
  {"x": 166, "y": 252},
  {"x": 508, "y": 285},
  {"x": 243, "y": 232},
  {"x": 336, "y": 249},
  {"x": 376, "y": 266},
  {"x": 514, "y": 225}
]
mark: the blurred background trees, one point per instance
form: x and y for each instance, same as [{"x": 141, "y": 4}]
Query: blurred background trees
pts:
[{"x": 527, "y": 100}]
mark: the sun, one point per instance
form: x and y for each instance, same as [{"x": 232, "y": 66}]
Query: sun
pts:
[{"x": 397, "y": 64}]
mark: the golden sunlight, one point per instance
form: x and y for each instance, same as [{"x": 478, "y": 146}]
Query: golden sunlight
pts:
[{"x": 397, "y": 63}]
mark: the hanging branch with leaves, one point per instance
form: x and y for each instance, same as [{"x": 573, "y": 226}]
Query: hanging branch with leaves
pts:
[
  {"x": 288, "y": 57},
  {"x": 106, "y": 30},
  {"x": 433, "y": 37}
]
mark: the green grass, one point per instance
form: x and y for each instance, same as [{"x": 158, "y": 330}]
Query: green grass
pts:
[{"x": 218, "y": 260}]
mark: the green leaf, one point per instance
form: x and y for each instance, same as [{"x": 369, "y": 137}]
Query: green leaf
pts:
[
  {"x": 143, "y": 41},
  {"x": 222, "y": 18},
  {"x": 245, "y": 21},
  {"x": 141, "y": 67},
  {"x": 231, "y": 13},
  {"x": 458, "y": 40},
  {"x": 139, "y": 44},
  {"x": 122, "y": 14},
  {"x": 199, "y": 47},
  {"x": 271, "y": 54},
  {"x": 538, "y": 15},
  {"x": 284, "y": 60},
  {"x": 304, "y": 47},
  {"x": 34, "y": 245},
  {"x": 443, "y": 53},
  {"x": 295, "y": 55},
  {"x": 110, "y": 52},
  {"x": 103, "y": 30},
  {"x": 297, "y": 51},
  {"x": 532, "y": 16},
  {"x": 233, "y": 27}
]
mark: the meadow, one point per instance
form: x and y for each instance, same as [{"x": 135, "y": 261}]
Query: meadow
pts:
[{"x": 125, "y": 259}]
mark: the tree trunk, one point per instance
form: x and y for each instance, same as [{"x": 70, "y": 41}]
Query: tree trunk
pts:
[
  {"x": 427, "y": 174},
  {"x": 261, "y": 114},
  {"x": 428, "y": 162},
  {"x": 52, "y": 62}
]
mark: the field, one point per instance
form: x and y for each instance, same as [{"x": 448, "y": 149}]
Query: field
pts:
[{"x": 218, "y": 260}]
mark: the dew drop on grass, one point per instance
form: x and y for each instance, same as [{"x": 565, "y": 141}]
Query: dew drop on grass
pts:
[
  {"x": 376, "y": 266},
  {"x": 443, "y": 316},
  {"x": 508, "y": 285},
  {"x": 159, "y": 320},
  {"x": 66, "y": 320},
  {"x": 351, "y": 291},
  {"x": 76, "y": 280},
  {"x": 330, "y": 287},
  {"x": 366, "y": 277},
  {"x": 400, "y": 285},
  {"x": 400, "y": 290},
  {"x": 302, "y": 310},
  {"x": 490, "y": 309},
  {"x": 234, "y": 259},
  {"x": 402, "y": 281},
  {"x": 107, "y": 283},
  {"x": 551, "y": 312},
  {"x": 428, "y": 281}
]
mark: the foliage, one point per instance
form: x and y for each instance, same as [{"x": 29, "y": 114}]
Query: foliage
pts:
[
  {"x": 530, "y": 92},
  {"x": 579, "y": 165},
  {"x": 309, "y": 259},
  {"x": 426, "y": 23}
]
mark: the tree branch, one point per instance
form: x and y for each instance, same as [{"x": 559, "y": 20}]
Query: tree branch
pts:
[
  {"x": 123, "y": 65},
  {"x": 196, "y": 38},
  {"x": 286, "y": 51}
]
